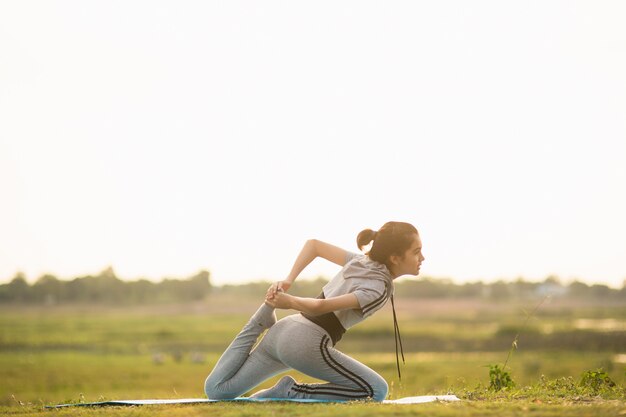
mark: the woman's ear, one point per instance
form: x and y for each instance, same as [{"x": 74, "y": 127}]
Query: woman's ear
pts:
[{"x": 394, "y": 259}]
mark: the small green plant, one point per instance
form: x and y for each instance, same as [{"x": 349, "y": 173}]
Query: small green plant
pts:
[
  {"x": 596, "y": 381},
  {"x": 499, "y": 378}
]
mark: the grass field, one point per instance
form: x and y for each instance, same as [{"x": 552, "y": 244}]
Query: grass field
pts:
[{"x": 60, "y": 354}]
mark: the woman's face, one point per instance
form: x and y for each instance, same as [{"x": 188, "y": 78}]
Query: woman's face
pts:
[{"x": 410, "y": 262}]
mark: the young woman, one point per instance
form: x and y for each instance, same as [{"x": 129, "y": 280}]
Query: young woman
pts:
[{"x": 306, "y": 341}]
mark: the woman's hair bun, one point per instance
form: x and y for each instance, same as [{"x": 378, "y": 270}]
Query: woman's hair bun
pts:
[{"x": 365, "y": 237}]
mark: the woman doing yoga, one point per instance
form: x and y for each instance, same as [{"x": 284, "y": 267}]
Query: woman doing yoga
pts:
[{"x": 306, "y": 341}]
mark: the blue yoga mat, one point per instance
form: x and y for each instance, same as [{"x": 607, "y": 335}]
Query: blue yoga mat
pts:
[{"x": 406, "y": 400}]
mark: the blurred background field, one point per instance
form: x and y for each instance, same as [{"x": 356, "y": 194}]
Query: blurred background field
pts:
[{"x": 88, "y": 352}]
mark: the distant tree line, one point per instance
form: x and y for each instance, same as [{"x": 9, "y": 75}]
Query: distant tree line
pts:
[
  {"x": 107, "y": 288},
  {"x": 104, "y": 288},
  {"x": 503, "y": 290}
]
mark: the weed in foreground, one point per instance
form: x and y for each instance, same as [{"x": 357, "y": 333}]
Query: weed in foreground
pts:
[
  {"x": 596, "y": 381},
  {"x": 500, "y": 378},
  {"x": 593, "y": 386}
]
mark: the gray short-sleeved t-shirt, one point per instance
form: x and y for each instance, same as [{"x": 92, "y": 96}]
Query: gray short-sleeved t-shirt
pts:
[{"x": 369, "y": 280}]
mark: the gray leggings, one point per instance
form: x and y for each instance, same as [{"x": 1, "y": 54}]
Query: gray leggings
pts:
[{"x": 292, "y": 343}]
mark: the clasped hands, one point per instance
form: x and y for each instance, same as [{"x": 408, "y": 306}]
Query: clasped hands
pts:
[{"x": 276, "y": 296}]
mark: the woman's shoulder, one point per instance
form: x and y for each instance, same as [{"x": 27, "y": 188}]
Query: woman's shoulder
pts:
[
  {"x": 352, "y": 255},
  {"x": 361, "y": 266}
]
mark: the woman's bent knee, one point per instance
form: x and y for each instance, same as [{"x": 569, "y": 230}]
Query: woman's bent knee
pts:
[
  {"x": 213, "y": 391},
  {"x": 380, "y": 388}
]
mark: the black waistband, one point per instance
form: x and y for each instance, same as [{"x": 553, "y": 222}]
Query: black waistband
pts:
[{"x": 328, "y": 322}]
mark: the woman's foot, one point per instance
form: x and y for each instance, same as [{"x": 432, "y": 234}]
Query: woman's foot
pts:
[
  {"x": 265, "y": 316},
  {"x": 280, "y": 390}
]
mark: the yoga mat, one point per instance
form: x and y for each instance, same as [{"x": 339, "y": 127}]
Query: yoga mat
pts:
[{"x": 407, "y": 400}]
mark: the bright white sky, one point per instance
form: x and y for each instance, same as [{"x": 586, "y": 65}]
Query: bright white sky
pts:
[{"x": 165, "y": 137}]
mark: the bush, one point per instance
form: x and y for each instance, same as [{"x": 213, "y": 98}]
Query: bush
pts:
[
  {"x": 596, "y": 381},
  {"x": 499, "y": 378}
]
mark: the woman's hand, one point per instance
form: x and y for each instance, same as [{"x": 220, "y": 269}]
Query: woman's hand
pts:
[
  {"x": 279, "y": 300},
  {"x": 279, "y": 286},
  {"x": 313, "y": 306}
]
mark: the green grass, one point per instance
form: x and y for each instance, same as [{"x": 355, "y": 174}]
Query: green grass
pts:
[
  {"x": 53, "y": 377},
  {"x": 459, "y": 409},
  {"x": 84, "y": 354}
]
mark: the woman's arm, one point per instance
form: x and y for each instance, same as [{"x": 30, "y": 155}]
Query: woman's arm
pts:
[
  {"x": 311, "y": 250},
  {"x": 313, "y": 306}
]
